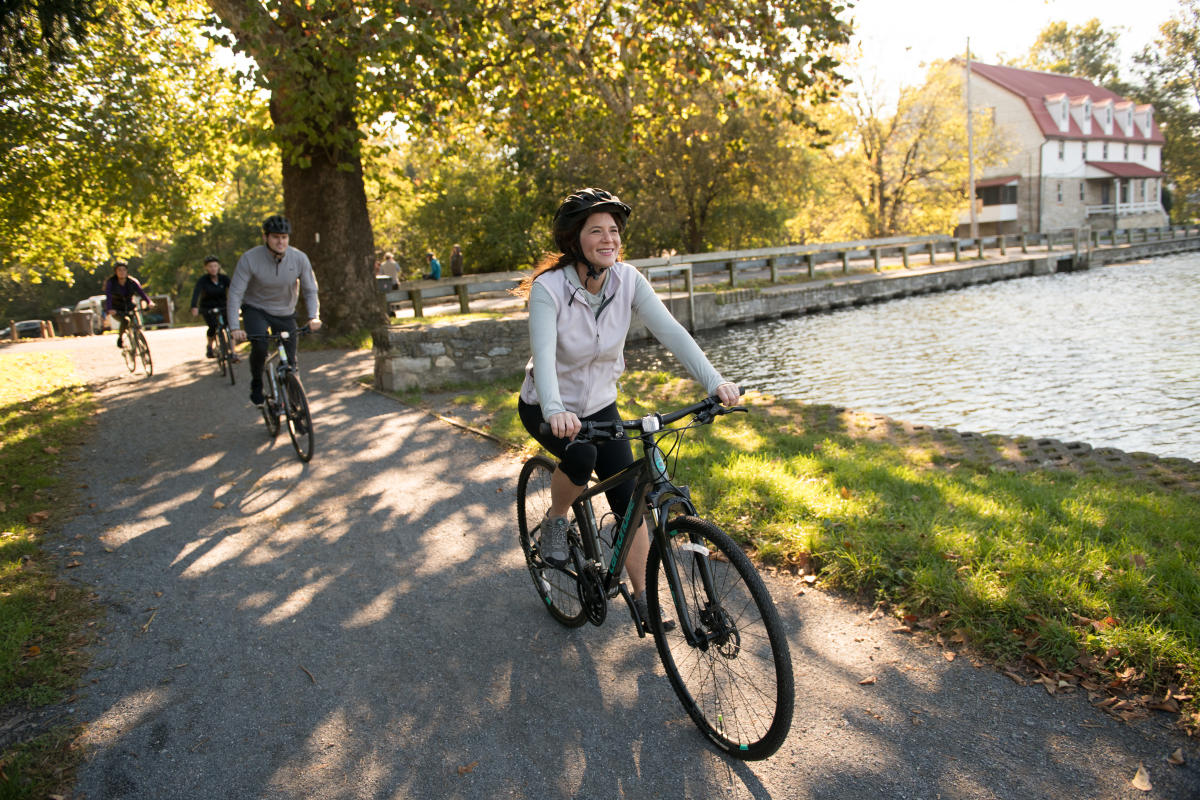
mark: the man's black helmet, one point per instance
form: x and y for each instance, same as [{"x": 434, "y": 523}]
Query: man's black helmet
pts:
[
  {"x": 210, "y": 260},
  {"x": 277, "y": 224},
  {"x": 574, "y": 211}
]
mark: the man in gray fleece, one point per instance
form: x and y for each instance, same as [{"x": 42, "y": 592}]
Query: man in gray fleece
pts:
[{"x": 265, "y": 286}]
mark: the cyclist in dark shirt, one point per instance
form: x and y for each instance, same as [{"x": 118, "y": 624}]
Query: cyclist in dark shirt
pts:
[
  {"x": 119, "y": 302},
  {"x": 209, "y": 298}
]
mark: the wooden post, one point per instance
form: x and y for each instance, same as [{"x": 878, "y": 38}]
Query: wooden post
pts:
[
  {"x": 732, "y": 267},
  {"x": 845, "y": 261},
  {"x": 773, "y": 263},
  {"x": 812, "y": 262},
  {"x": 1003, "y": 247},
  {"x": 980, "y": 240},
  {"x": 904, "y": 252},
  {"x": 958, "y": 249},
  {"x": 1049, "y": 242},
  {"x": 876, "y": 253},
  {"x": 414, "y": 294},
  {"x": 464, "y": 301},
  {"x": 1024, "y": 243},
  {"x": 932, "y": 253}
]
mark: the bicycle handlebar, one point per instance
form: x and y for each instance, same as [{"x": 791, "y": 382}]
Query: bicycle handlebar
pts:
[
  {"x": 706, "y": 410},
  {"x": 305, "y": 331}
]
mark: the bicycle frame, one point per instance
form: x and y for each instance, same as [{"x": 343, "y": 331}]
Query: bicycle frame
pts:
[{"x": 657, "y": 495}]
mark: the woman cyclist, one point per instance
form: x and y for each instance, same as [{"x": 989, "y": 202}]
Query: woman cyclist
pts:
[
  {"x": 209, "y": 298},
  {"x": 119, "y": 291},
  {"x": 581, "y": 303}
]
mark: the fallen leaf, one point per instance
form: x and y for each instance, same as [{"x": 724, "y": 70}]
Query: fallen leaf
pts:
[
  {"x": 959, "y": 636},
  {"x": 1141, "y": 780},
  {"x": 218, "y": 504},
  {"x": 1176, "y": 758},
  {"x": 1169, "y": 705},
  {"x": 208, "y": 436},
  {"x": 466, "y": 768},
  {"x": 51, "y": 450},
  {"x": 37, "y": 517},
  {"x": 33, "y": 650},
  {"x": 73, "y": 564},
  {"x": 950, "y": 655},
  {"x": 845, "y": 493},
  {"x": 867, "y": 681}
]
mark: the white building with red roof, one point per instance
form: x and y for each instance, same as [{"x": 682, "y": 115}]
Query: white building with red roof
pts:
[{"x": 1084, "y": 157}]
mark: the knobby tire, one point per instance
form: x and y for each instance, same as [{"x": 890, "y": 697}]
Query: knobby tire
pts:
[{"x": 737, "y": 686}]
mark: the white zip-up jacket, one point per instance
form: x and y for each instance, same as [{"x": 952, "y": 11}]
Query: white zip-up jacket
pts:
[{"x": 578, "y": 339}]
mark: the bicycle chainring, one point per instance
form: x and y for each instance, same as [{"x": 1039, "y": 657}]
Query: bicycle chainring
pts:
[{"x": 591, "y": 593}]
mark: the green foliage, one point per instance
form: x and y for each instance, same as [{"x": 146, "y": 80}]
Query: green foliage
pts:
[
  {"x": 122, "y": 140},
  {"x": 1085, "y": 51},
  {"x": 1169, "y": 78},
  {"x": 902, "y": 172}
]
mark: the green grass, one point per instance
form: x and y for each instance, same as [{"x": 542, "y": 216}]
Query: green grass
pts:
[
  {"x": 1087, "y": 572},
  {"x": 44, "y": 410}
]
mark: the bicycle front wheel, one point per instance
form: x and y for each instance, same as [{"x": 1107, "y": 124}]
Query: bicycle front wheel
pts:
[
  {"x": 558, "y": 590},
  {"x": 129, "y": 351},
  {"x": 299, "y": 420},
  {"x": 228, "y": 346},
  {"x": 222, "y": 352},
  {"x": 736, "y": 682},
  {"x": 270, "y": 406},
  {"x": 143, "y": 351}
]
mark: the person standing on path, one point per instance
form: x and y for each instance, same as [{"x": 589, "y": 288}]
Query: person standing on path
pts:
[
  {"x": 266, "y": 285},
  {"x": 456, "y": 261},
  {"x": 119, "y": 290},
  {"x": 209, "y": 297},
  {"x": 581, "y": 304}
]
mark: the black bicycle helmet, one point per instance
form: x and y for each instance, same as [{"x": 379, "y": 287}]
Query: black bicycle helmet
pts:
[
  {"x": 574, "y": 211},
  {"x": 211, "y": 259},
  {"x": 277, "y": 224}
]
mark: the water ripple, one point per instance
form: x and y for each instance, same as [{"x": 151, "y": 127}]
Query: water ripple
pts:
[{"x": 1110, "y": 356}]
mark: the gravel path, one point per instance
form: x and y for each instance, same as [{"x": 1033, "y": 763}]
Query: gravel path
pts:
[{"x": 363, "y": 627}]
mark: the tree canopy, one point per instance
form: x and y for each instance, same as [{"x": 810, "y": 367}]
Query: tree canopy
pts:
[{"x": 125, "y": 138}]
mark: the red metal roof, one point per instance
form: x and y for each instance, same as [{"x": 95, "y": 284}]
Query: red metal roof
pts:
[
  {"x": 1002, "y": 181},
  {"x": 1035, "y": 87},
  {"x": 1125, "y": 169}
]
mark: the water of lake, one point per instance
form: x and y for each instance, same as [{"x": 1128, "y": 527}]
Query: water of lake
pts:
[{"x": 1110, "y": 357}]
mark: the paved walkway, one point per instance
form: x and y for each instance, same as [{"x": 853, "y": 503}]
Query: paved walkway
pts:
[{"x": 363, "y": 627}]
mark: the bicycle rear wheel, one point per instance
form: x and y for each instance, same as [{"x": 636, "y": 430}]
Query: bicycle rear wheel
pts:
[
  {"x": 299, "y": 420},
  {"x": 143, "y": 351},
  {"x": 558, "y": 590},
  {"x": 737, "y": 683}
]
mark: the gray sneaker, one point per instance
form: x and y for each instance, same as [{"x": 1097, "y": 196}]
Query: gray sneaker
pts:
[
  {"x": 644, "y": 612},
  {"x": 554, "y": 541}
]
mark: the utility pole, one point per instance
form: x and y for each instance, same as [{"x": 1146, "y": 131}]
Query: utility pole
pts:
[{"x": 971, "y": 149}]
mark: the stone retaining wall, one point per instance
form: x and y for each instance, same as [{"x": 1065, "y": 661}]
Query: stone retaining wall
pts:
[{"x": 438, "y": 353}]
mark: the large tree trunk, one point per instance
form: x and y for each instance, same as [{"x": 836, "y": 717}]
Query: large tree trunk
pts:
[{"x": 327, "y": 205}]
